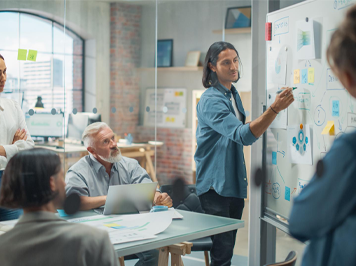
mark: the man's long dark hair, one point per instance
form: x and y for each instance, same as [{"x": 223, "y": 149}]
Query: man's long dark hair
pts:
[{"x": 209, "y": 77}]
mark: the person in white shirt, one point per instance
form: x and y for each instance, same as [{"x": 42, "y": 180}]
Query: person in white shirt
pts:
[{"x": 14, "y": 135}]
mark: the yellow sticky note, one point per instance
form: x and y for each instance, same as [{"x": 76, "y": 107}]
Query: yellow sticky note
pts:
[
  {"x": 311, "y": 75},
  {"x": 21, "y": 54},
  {"x": 296, "y": 76},
  {"x": 111, "y": 225},
  {"x": 170, "y": 119},
  {"x": 32, "y": 55},
  {"x": 176, "y": 93},
  {"x": 329, "y": 129},
  {"x": 181, "y": 93}
]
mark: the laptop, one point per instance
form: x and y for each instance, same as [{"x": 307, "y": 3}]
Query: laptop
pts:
[{"x": 132, "y": 198}]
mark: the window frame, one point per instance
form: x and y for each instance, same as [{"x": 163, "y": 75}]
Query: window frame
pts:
[{"x": 53, "y": 22}]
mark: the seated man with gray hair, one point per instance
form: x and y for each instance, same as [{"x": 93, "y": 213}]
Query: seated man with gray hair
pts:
[{"x": 92, "y": 175}]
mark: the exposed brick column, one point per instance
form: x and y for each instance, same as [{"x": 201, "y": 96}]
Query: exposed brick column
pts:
[{"x": 125, "y": 40}]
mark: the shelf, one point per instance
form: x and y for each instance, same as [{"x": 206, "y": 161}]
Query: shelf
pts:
[
  {"x": 182, "y": 69},
  {"x": 233, "y": 31}
]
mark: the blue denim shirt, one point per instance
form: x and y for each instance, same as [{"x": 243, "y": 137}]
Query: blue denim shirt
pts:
[
  {"x": 219, "y": 157},
  {"x": 325, "y": 210}
]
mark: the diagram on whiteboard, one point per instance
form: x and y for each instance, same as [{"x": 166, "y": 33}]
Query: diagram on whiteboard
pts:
[
  {"x": 305, "y": 39},
  {"x": 299, "y": 144},
  {"x": 278, "y": 66}
]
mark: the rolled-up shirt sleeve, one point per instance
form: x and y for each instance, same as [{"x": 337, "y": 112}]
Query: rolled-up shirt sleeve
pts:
[
  {"x": 12, "y": 149},
  {"x": 217, "y": 115},
  {"x": 75, "y": 183}
]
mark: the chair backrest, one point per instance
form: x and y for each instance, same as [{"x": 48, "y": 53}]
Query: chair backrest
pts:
[
  {"x": 187, "y": 200},
  {"x": 289, "y": 261}
]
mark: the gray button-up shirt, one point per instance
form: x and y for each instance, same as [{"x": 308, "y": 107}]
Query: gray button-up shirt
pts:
[{"x": 88, "y": 177}]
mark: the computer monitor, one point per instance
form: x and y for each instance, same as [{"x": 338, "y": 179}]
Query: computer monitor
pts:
[
  {"x": 78, "y": 122},
  {"x": 45, "y": 125}
]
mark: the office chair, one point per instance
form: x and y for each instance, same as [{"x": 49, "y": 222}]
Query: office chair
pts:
[
  {"x": 189, "y": 201},
  {"x": 289, "y": 261}
]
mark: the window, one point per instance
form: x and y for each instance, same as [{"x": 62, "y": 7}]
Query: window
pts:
[{"x": 57, "y": 74}]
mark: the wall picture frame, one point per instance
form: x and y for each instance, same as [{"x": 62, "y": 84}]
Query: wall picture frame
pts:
[
  {"x": 165, "y": 53},
  {"x": 192, "y": 59},
  {"x": 238, "y": 17}
]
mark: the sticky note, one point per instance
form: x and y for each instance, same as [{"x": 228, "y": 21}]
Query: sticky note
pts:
[
  {"x": 111, "y": 225},
  {"x": 287, "y": 193},
  {"x": 176, "y": 93},
  {"x": 181, "y": 93},
  {"x": 296, "y": 76},
  {"x": 274, "y": 157},
  {"x": 329, "y": 129},
  {"x": 32, "y": 55},
  {"x": 21, "y": 54},
  {"x": 335, "y": 108},
  {"x": 170, "y": 119},
  {"x": 311, "y": 75},
  {"x": 304, "y": 76}
]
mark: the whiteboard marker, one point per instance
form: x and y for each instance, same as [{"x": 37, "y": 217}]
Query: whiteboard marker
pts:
[{"x": 278, "y": 92}]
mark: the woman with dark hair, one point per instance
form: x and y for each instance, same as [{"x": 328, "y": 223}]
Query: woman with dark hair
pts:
[
  {"x": 324, "y": 213},
  {"x": 34, "y": 180},
  {"x": 14, "y": 135},
  {"x": 221, "y": 134}
]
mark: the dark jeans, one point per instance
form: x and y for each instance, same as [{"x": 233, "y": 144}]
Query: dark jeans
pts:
[
  {"x": 223, "y": 244},
  {"x": 6, "y": 214}
]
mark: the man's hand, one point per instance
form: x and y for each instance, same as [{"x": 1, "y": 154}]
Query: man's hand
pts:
[
  {"x": 163, "y": 199},
  {"x": 283, "y": 100},
  {"x": 19, "y": 135}
]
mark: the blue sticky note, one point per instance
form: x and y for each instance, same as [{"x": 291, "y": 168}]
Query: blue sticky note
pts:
[
  {"x": 304, "y": 76},
  {"x": 335, "y": 108},
  {"x": 274, "y": 157},
  {"x": 287, "y": 194}
]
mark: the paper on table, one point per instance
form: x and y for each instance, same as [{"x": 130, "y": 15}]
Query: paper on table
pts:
[
  {"x": 281, "y": 120},
  {"x": 127, "y": 228},
  {"x": 176, "y": 215},
  {"x": 299, "y": 144}
]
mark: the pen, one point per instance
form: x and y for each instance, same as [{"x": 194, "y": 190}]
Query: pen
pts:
[{"x": 278, "y": 92}]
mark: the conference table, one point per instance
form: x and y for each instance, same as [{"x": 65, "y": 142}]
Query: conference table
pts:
[{"x": 192, "y": 226}]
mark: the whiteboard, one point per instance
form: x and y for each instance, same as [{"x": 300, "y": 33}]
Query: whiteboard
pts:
[
  {"x": 171, "y": 108},
  {"x": 316, "y": 101}
]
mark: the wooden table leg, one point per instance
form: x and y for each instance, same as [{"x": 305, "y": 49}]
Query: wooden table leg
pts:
[
  {"x": 206, "y": 257},
  {"x": 121, "y": 261},
  {"x": 176, "y": 260},
  {"x": 179, "y": 250},
  {"x": 163, "y": 256}
]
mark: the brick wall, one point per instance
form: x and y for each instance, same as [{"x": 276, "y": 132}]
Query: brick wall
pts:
[
  {"x": 174, "y": 158},
  {"x": 125, "y": 39}
]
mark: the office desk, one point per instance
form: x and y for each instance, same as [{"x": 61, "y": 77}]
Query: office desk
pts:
[
  {"x": 71, "y": 153},
  {"x": 192, "y": 226}
]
